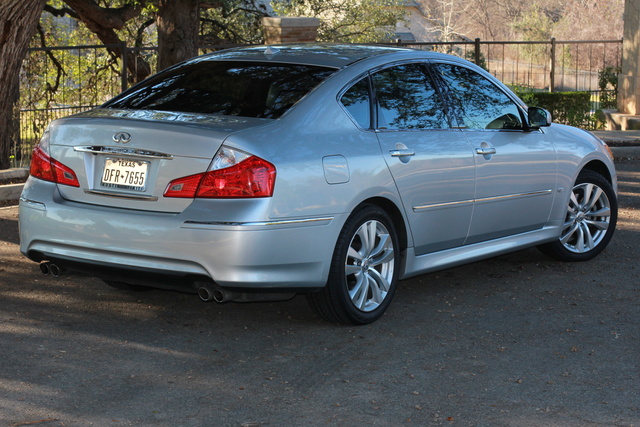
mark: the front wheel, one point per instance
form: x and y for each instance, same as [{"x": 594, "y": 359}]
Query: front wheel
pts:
[
  {"x": 364, "y": 270},
  {"x": 592, "y": 213}
]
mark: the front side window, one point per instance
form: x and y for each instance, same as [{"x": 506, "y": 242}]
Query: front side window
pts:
[
  {"x": 247, "y": 89},
  {"x": 477, "y": 101},
  {"x": 407, "y": 99}
]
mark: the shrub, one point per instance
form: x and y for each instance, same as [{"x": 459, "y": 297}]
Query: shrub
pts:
[
  {"x": 569, "y": 108},
  {"x": 608, "y": 83}
]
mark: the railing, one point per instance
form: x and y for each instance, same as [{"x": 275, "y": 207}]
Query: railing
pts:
[
  {"x": 60, "y": 81},
  {"x": 543, "y": 65}
]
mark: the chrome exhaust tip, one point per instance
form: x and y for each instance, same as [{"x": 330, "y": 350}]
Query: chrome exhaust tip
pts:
[
  {"x": 45, "y": 267},
  {"x": 54, "y": 270},
  {"x": 209, "y": 292},
  {"x": 48, "y": 267}
]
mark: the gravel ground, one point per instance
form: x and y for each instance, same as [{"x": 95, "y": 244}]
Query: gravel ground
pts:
[{"x": 517, "y": 340}]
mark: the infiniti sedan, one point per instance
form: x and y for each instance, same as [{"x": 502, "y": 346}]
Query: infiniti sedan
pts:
[{"x": 330, "y": 170}]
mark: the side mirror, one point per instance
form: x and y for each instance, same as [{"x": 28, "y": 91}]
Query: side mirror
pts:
[{"x": 538, "y": 117}]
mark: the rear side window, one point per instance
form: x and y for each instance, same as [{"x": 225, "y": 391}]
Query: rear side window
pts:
[
  {"x": 246, "y": 89},
  {"x": 356, "y": 102}
]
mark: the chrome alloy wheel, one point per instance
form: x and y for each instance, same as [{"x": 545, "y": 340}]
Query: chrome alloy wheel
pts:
[
  {"x": 588, "y": 218},
  {"x": 369, "y": 265}
]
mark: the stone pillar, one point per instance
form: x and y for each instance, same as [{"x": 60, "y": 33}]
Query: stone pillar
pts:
[
  {"x": 629, "y": 79},
  {"x": 290, "y": 30}
]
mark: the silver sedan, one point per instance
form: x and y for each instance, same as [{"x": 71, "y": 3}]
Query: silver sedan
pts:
[{"x": 330, "y": 170}]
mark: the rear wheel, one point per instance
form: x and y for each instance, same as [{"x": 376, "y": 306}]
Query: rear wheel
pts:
[
  {"x": 591, "y": 219},
  {"x": 364, "y": 270}
]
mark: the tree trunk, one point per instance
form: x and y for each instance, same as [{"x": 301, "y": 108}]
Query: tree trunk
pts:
[
  {"x": 18, "y": 20},
  {"x": 178, "y": 25}
]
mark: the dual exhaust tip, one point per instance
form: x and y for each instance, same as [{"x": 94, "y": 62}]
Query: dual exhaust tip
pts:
[
  {"x": 207, "y": 291},
  {"x": 210, "y": 292},
  {"x": 51, "y": 268}
]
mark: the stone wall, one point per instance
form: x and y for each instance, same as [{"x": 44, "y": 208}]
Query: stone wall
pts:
[{"x": 629, "y": 79}]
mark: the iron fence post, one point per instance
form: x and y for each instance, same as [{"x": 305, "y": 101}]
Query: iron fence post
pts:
[
  {"x": 477, "y": 51},
  {"x": 552, "y": 83},
  {"x": 123, "y": 70}
]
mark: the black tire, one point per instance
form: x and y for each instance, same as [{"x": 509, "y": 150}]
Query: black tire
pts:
[
  {"x": 364, "y": 270},
  {"x": 127, "y": 286},
  {"x": 592, "y": 214}
]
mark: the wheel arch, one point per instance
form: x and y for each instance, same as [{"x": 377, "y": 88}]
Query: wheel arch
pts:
[
  {"x": 600, "y": 167},
  {"x": 398, "y": 221}
]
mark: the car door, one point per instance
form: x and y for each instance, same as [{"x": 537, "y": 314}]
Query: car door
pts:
[
  {"x": 515, "y": 167},
  {"x": 431, "y": 162}
]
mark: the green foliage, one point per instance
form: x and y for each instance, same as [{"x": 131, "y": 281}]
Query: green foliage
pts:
[
  {"x": 608, "y": 78},
  {"x": 354, "y": 21},
  {"x": 534, "y": 25},
  {"x": 234, "y": 21},
  {"x": 570, "y": 108},
  {"x": 471, "y": 56},
  {"x": 608, "y": 84}
]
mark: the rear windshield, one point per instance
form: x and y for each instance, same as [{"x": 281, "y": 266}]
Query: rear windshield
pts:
[{"x": 248, "y": 89}]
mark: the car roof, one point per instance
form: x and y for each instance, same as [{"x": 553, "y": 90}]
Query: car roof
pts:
[{"x": 318, "y": 54}]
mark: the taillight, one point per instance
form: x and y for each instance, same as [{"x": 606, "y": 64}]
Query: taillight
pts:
[
  {"x": 235, "y": 174},
  {"x": 48, "y": 169}
]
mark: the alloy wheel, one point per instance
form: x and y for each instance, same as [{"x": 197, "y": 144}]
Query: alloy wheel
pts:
[
  {"x": 369, "y": 265},
  {"x": 588, "y": 218}
]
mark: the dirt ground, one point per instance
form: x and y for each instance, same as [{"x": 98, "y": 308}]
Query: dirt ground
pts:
[{"x": 517, "y": 340}]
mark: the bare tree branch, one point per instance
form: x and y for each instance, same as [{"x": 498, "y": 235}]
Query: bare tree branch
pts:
[
  {"x": 59, "y": 68},
  {"x": 64, "y": 11},
  {"x": 113, "y": 18},
  {"x": 102, "y": 22}
]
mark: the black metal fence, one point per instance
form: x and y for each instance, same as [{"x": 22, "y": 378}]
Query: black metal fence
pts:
[
  {"x": 551, "y": 65},
  {"x": 59, "y": 81}
]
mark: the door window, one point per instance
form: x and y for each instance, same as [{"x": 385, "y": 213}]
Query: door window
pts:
[
  {"x": 407, "y": 99},
  {"x": 479, "y": 104}
]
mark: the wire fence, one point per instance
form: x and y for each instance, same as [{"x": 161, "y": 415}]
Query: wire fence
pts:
[{"x": 60, "y": 81}]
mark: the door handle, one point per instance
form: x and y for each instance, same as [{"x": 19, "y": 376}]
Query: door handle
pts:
[
  {"x": 486, "y": 151},
  {"x": 402, "y": 152}
]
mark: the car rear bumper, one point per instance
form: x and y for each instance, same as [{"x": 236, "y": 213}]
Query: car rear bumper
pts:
[{"x": 265, "y": 255}]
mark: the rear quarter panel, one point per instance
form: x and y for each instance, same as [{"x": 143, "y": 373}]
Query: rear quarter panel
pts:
[{"x": 318, "y": 128}]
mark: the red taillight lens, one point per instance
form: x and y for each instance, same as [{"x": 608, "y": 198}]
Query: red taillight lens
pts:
[
  {"x": 41, "y": 165},
  {"x": 48, "y": 169},
  {"x": 252, "y": 177},
  {"x": 184, "y": 187}
]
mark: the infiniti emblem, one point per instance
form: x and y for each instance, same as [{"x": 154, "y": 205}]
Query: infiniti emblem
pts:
[{"x": 122, "y": 137}]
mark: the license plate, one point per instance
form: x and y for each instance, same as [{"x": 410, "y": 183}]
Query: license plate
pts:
[{"x": 125, "y": 173}]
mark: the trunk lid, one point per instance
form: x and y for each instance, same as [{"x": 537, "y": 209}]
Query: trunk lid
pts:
[{"x": 126, "y": 158}]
